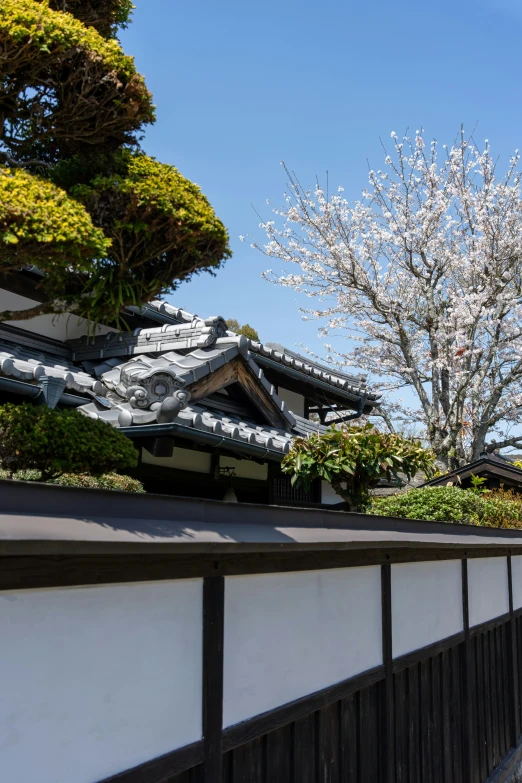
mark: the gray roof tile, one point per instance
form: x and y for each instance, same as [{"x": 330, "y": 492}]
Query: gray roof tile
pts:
[{"x": 139, "y": 371}]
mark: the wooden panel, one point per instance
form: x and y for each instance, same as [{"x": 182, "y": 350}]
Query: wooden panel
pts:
[
  {"x": 260, "y": 397},
  {"x": 343, "y": 740},
  {"x": 482, "y": 750},
  {"x": 305, "y": 749},
  {"x": 27, "y": 572},
  {"x": 436, "y": 711},
  {"x": 415, "y": 708},
  {"x": 456, "y": 712},
  {"x": 401, "y": 726},
  {"x": 446, "y": 708},
  {"x": 279, "y": 755},
  {"x": 219, "y": 379},
  {"x": 194, "y": 775},
  {"x": 328, "y": 744},
  {"x": 248, "y": 763},
  {"x": 349, "y": 739}
]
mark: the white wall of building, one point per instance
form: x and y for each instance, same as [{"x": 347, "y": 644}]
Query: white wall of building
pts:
[
  {"x": 245, "y": 468},
  {"x": 183, "y": 459},
  {"x": 59, "y": 327},
  {"x": 426, "y": 603},
  {"x": 97, "y": 680},
  {"x": 290, "y": 634},
  {"x": 488, "y": 593},
  {"x": 328, "y": 495},
  {"x": 516, "y": 575}
]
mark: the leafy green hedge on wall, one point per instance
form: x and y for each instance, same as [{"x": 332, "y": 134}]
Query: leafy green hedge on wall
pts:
[
  {"x": 441, "y": 504},
  {"x": 60, "y": 441},
  {"x": 489, "y": 508},
  {"x": 105, "y": 481}
]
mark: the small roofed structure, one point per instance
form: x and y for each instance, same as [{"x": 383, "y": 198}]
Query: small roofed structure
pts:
[{"x": 497, "y": 470}]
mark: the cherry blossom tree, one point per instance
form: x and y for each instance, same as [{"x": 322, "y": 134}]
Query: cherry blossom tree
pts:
[{"x": 424, "y": 274}]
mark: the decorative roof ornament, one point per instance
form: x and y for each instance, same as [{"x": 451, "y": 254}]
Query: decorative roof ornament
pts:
[{"x": 147, "y": 387}]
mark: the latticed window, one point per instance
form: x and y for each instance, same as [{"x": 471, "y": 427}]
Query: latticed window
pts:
[{"x": 284, "y": 492}]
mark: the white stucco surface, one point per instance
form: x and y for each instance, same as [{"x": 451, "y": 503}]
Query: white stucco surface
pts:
[
  {"x": 290, "y": 634},
  {"x": 97, "y": 680},
  {"x": 245, "y": 468},
  {"x": 516, "y": 575},
  {"x": 426, "y": 603},
  {"x": 184, "y": 459},
  {"x": 328, "y": 495},
  {"x": 488, "y": 594},
  {"x": 59, "y": 327}
]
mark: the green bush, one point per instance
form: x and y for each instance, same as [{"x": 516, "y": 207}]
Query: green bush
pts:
[
  {"x": 441, "y": 504},
  {"x": 495, "y": 508},
  {"x": 353, "y": 459},
  {"x": 106, "y": 481},
  {"x": 60, "y": 441}
]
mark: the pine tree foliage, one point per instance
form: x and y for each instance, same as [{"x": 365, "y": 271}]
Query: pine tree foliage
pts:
[{"x": 74, "y": 182}]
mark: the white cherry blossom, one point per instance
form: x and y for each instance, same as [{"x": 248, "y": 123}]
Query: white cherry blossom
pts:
[{"x": 425, "y": 272}]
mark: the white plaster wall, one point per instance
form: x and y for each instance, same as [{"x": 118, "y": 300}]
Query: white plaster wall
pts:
[
  {"x": 59, "y": 327},
  {"x": 294, "y": 402},
  {"x": 516, "y": 575},
  {"x": 488, "y": 593},
  {"x": 290, "y": 634},
  {"x": 245, "y": 468},
  {"x": 426, "y": 603},
  {"x": 328, "y": 495},
  {"x": 184, "y": 459},
  {"x": 97, "y": 680}
]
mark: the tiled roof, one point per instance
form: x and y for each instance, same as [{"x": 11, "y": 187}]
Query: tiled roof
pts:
[
  {"x": 197, "y": 418},
  {"x": 163, "y": 311},
  {"x": 192, "y": 333},
  {"x": 356, "y": 385},
  {"x": 28, "y": 365},
  {"x": 197, "y": 333},
  {"x": 144, "y": 377}
]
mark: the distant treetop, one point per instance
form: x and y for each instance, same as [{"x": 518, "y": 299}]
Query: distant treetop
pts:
[{"x": 246, "y": 330}]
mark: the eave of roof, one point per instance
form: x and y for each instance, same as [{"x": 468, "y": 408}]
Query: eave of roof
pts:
[
  {"x": 480, "y": 466},
  {"x": 221, "y": 440}
]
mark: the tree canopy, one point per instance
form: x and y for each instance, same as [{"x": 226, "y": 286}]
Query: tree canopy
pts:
[
  {"x": 71, "y": 107},
  {"x": 246, "y": 330},
  {"x": 423, "y": 275}
]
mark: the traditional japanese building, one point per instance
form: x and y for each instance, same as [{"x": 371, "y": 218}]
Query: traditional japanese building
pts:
[
  {"x": 212, "y": 413},
  {"x": 496, "y": 470}
]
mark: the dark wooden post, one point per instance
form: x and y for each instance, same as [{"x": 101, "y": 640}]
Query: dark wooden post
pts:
[
  {"x": 387, "y": 657},
  {"x": 513, "y": 662},
  {"x": 213, "y": 631}
]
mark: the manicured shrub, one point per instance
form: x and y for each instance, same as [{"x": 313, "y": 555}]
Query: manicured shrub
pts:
[
  {"x": 39, "y": 220},
  {"x": 60, "y": 441},
  {"x": 353, "y": 459},
  {"x": 105, "y": 15},
  {"x": 442, "y": 504},
  {"x": 105, "y": 481},
  {"x": 495, "y": 508},
  {"x": 109, "y": 226},
  {"x": 161, "y": 228}
]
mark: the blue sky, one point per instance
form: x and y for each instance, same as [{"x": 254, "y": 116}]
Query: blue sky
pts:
[{"x": 241, "y": 86}]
